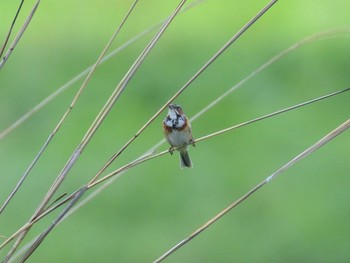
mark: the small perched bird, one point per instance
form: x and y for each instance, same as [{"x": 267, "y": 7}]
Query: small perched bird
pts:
[{"x": 178, "y": 133}]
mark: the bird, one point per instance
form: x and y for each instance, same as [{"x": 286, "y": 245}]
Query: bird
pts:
[{"x": 178, "y": 133}]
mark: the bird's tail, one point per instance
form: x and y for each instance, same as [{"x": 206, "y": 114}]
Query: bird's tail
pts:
[{"x": 185, "y": 160}]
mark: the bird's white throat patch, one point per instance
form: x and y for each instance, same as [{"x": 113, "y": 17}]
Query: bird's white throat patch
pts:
[{"x": 174, "y": 120}]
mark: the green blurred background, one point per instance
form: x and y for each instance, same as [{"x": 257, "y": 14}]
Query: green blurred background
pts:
[{"x": 302, "y": 216}]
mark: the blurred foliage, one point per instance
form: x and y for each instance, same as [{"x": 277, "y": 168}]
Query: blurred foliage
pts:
[{"x": 300, "y": 217}]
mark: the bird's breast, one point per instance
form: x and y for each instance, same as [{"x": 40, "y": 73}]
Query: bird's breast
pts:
[{"x": 179, "y": 138}]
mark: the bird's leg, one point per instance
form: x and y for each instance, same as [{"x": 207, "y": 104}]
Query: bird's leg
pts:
[{"x": 192, "y": 143}]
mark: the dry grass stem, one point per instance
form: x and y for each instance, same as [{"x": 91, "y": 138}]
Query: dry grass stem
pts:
[
  {"x": 52, "y": 189},
  {"x": 7, "y": 38},
  {"x": 316, "y": 37},
  {"x": 188, "y": 83},
  {"x": 79, "y": 76},
  {"x": 101, "y": 116},
  {"x": 41, "y": 238},
  {"x": 134, "y": 163},
  {"x": 19, "y": 35},
  {"x": 69, "y": 204},
  {"x": 211, "y": 60},
  {"x": 24, "y": 176},
  {"x": 149, "y": 156},
  {"x": 299, "y": 157},
  {"x": 86, "y": 81},
  {"x": 83, "y": 86},
  {"x": 319, "y": 36},
  {"x": 272, "y": 114}
]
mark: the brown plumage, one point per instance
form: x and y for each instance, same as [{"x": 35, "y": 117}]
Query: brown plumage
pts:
[{"x": 178, "y": 133}]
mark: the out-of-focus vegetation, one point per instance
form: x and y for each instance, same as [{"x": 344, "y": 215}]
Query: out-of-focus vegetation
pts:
[{"x": 302, "y": 216}]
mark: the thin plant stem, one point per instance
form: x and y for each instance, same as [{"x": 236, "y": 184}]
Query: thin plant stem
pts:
[
  {"x": 19, "y": 35},
  {"x": 92, "y": 71},
  {"x": 93, "y": 128},
  {"x": 75, "y": 155},
  {"x": 36, "y": 219},
  {"x": 132, "y": 164},
  {"x": 187, "y": 84},
  {"x": 126, "y": 167},
  {"x": 41, "y": 238},
  {"x": 129, "y": 166},
  {"x": 319, "y": 36},
  {"x": 123, "y": 83},
  {"x": 11, "y": 28},
  {"x": 296, "y": 159},
  {"x": 79, "y": 76},
  {"x": 271, "y": 114},
  {"x": 24, "y": 176},
  {"x": 151, "y": 155},
  {"x": 70, "y": 108},
  {"x": 310, "y": 39}
]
